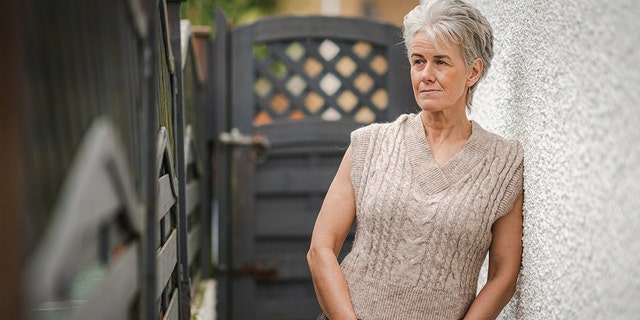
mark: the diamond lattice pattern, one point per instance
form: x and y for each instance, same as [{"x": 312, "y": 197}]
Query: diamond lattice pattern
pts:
[{"x": 324, "y": 78}]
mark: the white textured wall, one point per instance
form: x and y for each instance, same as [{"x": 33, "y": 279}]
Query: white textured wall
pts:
[{"x": 566, "y": 82}]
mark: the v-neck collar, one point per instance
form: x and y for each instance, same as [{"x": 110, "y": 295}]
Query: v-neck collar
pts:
[{"x": 432, "y": 177}]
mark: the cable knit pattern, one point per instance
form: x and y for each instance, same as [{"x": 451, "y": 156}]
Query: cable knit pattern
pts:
[{"x": 423, "y": 230}]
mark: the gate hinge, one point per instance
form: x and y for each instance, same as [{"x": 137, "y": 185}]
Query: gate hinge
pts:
[
  {"x": 256, "y": 271},
  {"x": 236, "y": 138}
]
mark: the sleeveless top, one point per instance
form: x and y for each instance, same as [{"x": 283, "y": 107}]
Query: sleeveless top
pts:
[{"x": 424, "y": 230}]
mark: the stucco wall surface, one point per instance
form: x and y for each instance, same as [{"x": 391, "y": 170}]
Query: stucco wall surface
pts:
[{"x": 566, "y": 83}]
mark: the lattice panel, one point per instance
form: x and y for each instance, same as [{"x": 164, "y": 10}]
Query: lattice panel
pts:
[{"x": 324, "y": 78}]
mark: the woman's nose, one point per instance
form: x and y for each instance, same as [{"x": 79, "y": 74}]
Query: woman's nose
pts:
[{"x": 427, "y": 74}]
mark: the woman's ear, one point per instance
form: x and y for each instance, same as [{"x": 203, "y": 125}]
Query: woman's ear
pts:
[{"x": 476, "y": 71}]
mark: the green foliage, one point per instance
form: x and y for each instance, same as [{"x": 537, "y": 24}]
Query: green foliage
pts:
[{"x": 202, "y": 12}]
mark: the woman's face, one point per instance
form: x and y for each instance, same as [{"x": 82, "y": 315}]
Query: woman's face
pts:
[{"x": 439, "y": 76}]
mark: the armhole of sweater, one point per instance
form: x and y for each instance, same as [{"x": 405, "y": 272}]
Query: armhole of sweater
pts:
[
  {"x": 515, "y": 186},
  {"x": 358, "y": 150}
]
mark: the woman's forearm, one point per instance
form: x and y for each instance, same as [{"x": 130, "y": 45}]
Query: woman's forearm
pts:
[
  {"x": 493, "y": 297},
  {"x": 330, "y": 284}
]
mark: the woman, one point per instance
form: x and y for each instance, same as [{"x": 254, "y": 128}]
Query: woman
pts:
[{"x": 432, "y": 192}]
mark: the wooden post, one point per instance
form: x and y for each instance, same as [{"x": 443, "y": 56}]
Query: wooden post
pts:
[
  {"x": 184, "y": 287},
  {"x": 12, "y": 190}
]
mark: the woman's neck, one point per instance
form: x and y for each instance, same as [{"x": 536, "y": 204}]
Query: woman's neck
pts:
[{"x": 441, "y": 128}]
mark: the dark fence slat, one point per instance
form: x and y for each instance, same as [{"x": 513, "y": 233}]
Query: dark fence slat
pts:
[
  {"x": 192, "y": 196},
  {"x": 305, "y": 308},
  {"x": 193, "y": 242},
  {"x": 354, "y": 29},
  {"x": 294, "y": 181},
  {"x": 172, "y": 308},
  {"x": 166, "y": 260},
  {"x": 218, "y": 113},
  {"x": 288, "y": 223},
  {"x": 166, "y": 199},
  {"x": 308, "y": 133},
  {"x": 296, "y": 205}
]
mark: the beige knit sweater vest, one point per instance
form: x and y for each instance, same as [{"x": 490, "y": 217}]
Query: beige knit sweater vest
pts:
[{"x": 423, "y": 230}]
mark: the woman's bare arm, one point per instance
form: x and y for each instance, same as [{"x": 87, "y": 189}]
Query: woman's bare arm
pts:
[
  {"x": 505, "y": 255},
  {"x": 332, "y": 226}
]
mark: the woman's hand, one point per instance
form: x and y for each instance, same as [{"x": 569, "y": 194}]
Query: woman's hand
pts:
[{"x": 332, "y": 226}]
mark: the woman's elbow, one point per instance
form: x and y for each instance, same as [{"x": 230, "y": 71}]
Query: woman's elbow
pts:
[
  {"x": 313, "y": 257},
  {"x": 318, "y": 256},
  {"x": 310, "y": 256}
]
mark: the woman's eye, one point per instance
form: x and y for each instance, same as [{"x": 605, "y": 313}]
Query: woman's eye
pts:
[
  {"x": 417, "y": 62},
  {"x": 440, "y": 62}
]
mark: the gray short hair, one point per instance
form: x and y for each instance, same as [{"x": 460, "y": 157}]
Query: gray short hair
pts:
[{"x": 457, "y": 22}]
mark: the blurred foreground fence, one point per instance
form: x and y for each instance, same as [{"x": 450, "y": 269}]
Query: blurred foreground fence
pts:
[{"x": 117, "y": 163}]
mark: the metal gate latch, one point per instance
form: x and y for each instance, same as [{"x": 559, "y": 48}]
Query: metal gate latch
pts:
[{"x": 236, "y": 138}]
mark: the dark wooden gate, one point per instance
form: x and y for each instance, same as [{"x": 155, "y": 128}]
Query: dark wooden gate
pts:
[{"x": 299, "y": 86}]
